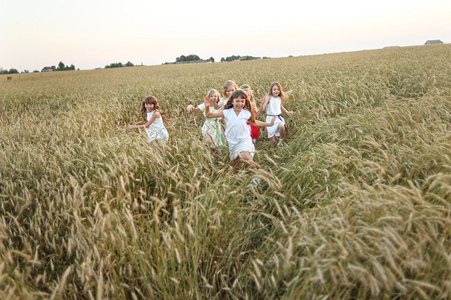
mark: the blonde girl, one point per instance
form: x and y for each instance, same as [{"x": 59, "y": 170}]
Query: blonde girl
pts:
[
  {"x": 274, "y": 108},
  {"x": 229, "y": 87},
  {"x": 236, "y": 113},
  {"x": 212, "y": 130},
  {"x": 151, "y": 114}
]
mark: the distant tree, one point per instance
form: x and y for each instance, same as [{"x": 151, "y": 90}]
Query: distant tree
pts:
[
  {"x": 119, "y": 65},
  {"x": 61, "y": 66},
  {"x": 191, "y": 57},
  {"x": 180, "y": 58},
  {"x": 212, "y": 59},
  {"x": 232, "y": 58},
  {"x": 248, "y": 57},
  {"x": 222, "y": 59},
  {"x": 114, "y": 65},
  {"x": 13, "y": 71}
]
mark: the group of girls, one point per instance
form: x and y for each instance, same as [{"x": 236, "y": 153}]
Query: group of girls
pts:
[{"x": 239, "y": 111}]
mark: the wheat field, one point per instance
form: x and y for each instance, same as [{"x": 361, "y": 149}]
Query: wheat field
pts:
[{"x": 356, "y": 205}]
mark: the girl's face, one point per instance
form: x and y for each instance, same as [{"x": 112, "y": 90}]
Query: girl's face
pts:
[
  {"x": 149, "y": 106},
  {"x": 214, "y": 97},
  {"x": 238, "y": 103},
  {"x": 275, "y": 91},
  {"x": 229, "y": 91}
]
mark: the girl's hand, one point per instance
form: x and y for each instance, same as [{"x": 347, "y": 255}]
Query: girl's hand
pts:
[
  {"x": 273, "y": 120},
  {"x": 207, "y": 102},
  {"x": 189, "y": 108},
  {"x": 290, "y": 113}
]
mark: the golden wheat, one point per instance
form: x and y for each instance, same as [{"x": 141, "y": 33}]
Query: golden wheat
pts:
[{"x": 356, "y": 204}]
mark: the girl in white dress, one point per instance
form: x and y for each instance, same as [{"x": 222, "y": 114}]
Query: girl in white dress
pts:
[
  {"x": 150, "y": 112},
  {"x": 273, "y": 104},
  {"x": 236, "y": 113},
  {"x": 212, "y": 130}
]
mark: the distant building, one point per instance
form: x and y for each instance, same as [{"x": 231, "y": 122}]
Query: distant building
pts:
[
  {"x": 433, "y": 42},
  {"x": 48, "y": 69}
]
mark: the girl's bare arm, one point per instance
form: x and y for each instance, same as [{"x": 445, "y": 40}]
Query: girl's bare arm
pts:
[
  {"x": 154, "y": 116},
  {"x": 264, "y": 124},
  {"x": 191, "y": 108},
  {"x": 209, "y": 114},
  {"x": 286, "y": 111}
]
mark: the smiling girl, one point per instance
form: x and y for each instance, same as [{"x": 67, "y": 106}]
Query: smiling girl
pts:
[
  {"x": 212, "y": 129},
  {"x": 274, "y": 108},
  {"x": 150, "y": 112},
  {"x": 229, "y": 87},
  {"x": 236, "y": 113}
]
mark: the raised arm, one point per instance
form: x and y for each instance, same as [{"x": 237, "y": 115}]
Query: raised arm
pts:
[
  {"x": 264, "y": 101},
  {"x": 209, "y": 114},
  {"x": 259, "y": 111}
]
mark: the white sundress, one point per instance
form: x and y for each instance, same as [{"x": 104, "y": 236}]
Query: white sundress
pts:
[
  {"x": 156, "y": 130},
  {"x": 213, "y": 127},
  {"x": 274, "y": 109},
  {"x": 237, "y": 133}
]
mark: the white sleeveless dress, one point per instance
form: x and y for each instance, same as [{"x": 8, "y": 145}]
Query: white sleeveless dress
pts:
[
  {"x": 274, "y": 109},
  {"x": 213, "y": 127},
  {"x": 156, "y": 130}
]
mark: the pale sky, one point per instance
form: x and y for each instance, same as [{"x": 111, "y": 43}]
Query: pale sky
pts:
[{"x": 96, "y": 33}]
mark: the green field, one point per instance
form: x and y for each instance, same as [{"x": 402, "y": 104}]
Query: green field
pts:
[{"x": 357, "y": 204}]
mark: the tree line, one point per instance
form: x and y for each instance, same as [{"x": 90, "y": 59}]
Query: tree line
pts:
[
  {"x": 239, "y": 57},
  {"x": 119, "y": 65},
  {"x": 196, "y": 58},
  {"x": 10, "y": 71}
]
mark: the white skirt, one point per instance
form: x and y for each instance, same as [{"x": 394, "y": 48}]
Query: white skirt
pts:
[
  {"x": 274, "y": 129},
  {"x": 244, "y": 145},
  {"x": 157, "y": 134},
  {"x": 213, "y": 128}
]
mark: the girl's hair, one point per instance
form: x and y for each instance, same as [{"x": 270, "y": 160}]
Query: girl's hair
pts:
[
  {"x": 213, "y": 91},
  {"x": 247, "y": 104},
  {"x": 247, "y": 88},
  {"x": 150, "y": 100},
  {"x": 229, "y": 83},
  {"x": 281, "y": 95}
]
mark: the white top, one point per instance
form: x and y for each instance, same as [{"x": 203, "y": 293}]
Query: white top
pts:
[
  {"x": 222, "y": 102},
  {"x": 236, "y": 129},
  {"x": 156, "y": 130},
  {"x": 274, "y": 106}
]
